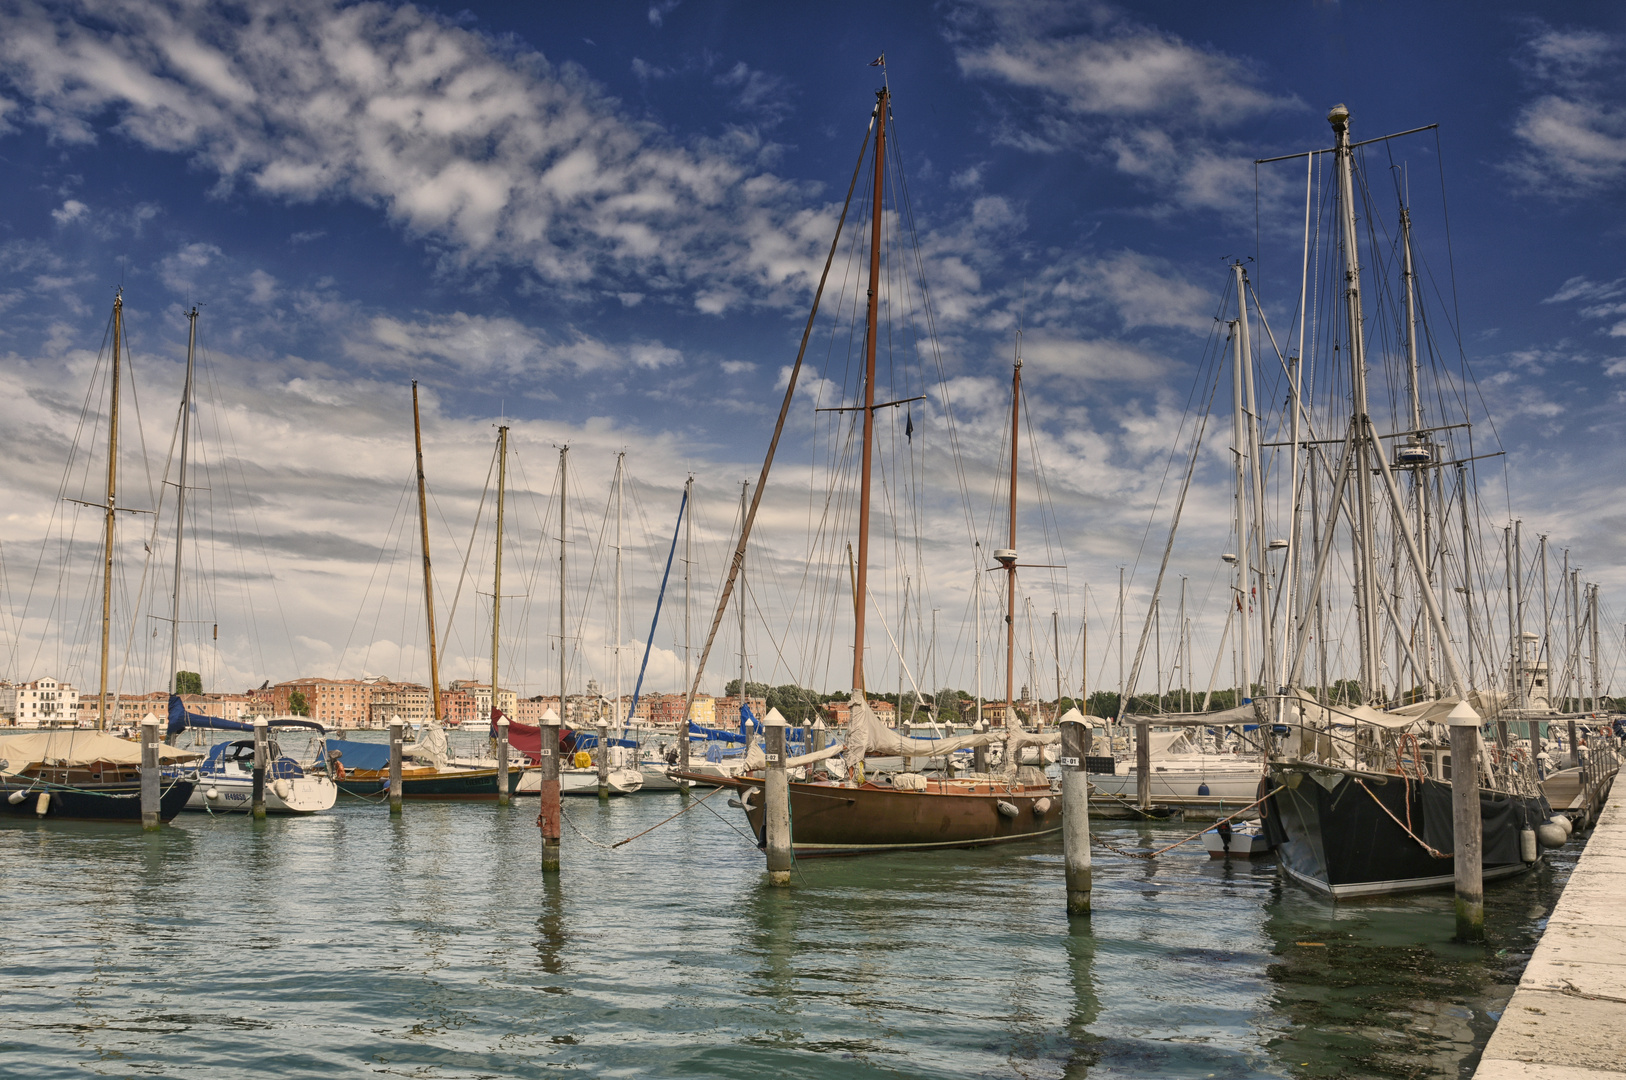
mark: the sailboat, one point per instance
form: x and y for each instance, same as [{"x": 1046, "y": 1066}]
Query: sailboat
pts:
[
  {"x": 905, "y": 811},
  {"x": 579, "y": 774},
  {"x": 430, "y": 776},
  {"x": 1360, "y": 799},
  {"x": 90, "y": 776},
  {"x": 225, "y": 778}
]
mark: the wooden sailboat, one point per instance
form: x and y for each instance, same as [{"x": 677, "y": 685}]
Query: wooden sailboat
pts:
[
  {"x": 909, "y": 811},
  {"x": 438, "y": 780},
  {"x": 89, "y": 776}
]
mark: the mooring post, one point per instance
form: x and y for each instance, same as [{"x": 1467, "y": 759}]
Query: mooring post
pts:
[
  {"x": 502, "y": 761},
  {"x": 1535, "y": 749},
  {"x": 1467, "y": 829},
  {"x": 603, "y": 760},
  {"x": 397, "y": 737},
  {"x": 1143, "y": 764},
  {"x": 1502, "y": 739},
  {"x": 150, "y": 818},
  {"x": 1075, "y": 811},
  {"x": 816, "y": 740},
  {"x": 776, "y": 800},
  {"x": 979, "y": 754},
  {"x": 262, "y": 758},
  {"x": 549, "y": 817},
  {"x": 1575, "y": 747}
]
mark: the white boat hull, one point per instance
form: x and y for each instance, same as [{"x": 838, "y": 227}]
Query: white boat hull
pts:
[
  {"x": 1246, "y": 841},
  {"x": 582, "y": 782},
  {"x": 234, "y": 794},
  {"x": 1227, "y": 780}
]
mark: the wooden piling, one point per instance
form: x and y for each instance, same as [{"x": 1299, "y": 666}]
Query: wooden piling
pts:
[
  {"x": 776, "y": 801},
  {"x": 1075, "y": 811},
  {"x": 262, "y": 758},
  {"x": 979, "y": 754},
  {"x": 1467, "y": 829},
  {"x": 502, "y": 761},
  {"x": 1575, "y": 746},
  {"x": 816, "y": 740},
  {"x": 1535, "y": 748},
  {"x": 150, "y": 774},
  {"x": 1143, "y": 764},
  {"x": 603, "y": 760},
  {"x": 549, "y": 818},
  {"x": 397, "y": 737}
]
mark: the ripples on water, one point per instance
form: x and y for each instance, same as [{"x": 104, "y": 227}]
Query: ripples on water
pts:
[{"x": 348, "y": 944}]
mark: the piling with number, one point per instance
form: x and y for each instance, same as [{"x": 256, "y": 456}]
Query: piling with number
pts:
[
  {"x": 1467, "y": 830},
  {"x": 150, "y": 818},
  {"x": 548, "y": 818},
  {"x": 262, "y": 758},
  {"x": 603, "y": 760},
  {"x": 1075, "y": 811},
  {"x": 1143, "y": 764},
  {"x": 397, "y": 737},
  {"x": 502, "y": 761},
  {"x": 776, "y": 801}
]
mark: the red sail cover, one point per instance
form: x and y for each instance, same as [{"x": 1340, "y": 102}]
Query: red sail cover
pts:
[{"x": 527, "y": 738}]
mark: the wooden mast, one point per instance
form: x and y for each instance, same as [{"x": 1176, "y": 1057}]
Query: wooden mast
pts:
[
  {"x": 112, "y": 493},
  {"x": 180, "y": 505},
  {"x": 861, "y": 585},
  {"x": 1008, "y": 557},
  {"x": 428, "y": 577},
  {"x": 496, "y": 577}
]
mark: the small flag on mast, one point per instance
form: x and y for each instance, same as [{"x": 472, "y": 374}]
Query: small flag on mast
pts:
[
  {"x": 909, "y": 427},
  {"x": 879, "y": 61}
]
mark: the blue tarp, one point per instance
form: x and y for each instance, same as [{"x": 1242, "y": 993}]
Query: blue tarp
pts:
[
  {"x": 360, "y": 755},
  {"x": 585, "y": 741},
  {"x": 713, "y": 734}
]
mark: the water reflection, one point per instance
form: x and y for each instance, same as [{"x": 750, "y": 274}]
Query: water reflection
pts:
[{"x": 1082, "y": 1048}]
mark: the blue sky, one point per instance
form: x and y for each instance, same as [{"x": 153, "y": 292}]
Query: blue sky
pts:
[{"x": 604, "y": 223}]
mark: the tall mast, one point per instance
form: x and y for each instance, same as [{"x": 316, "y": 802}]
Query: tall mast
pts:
[
  {"x": 496, "y": 576},
  {"x": 976, "y": 625},
  {"x": 1055, "y": 641},
  {"x": 1520, "y": 699},
  {"x": 112, "y": 502},
  {"x": 428, "y": 577},
  {"x": 1244, "y": 557},
  {"x": 1360, "y": 447},
  {"x": 1261, "y": 568},
  {"x": 1010, "y": 557},
  {"x": 688, "y": 544},
  {"x": 861, "y": 587},
  {"x": 739, "y": 599},
  {"x": 1546, "y": 622},
  {"x": 1592, "y": 621},
  {"x": 1467, "y": 572},
  {"x": 1419, "y": 477},
  {"x": 180, "y": 506},
  {"x": 563, "y": 478},
  {"x": 620, "y": 464}
]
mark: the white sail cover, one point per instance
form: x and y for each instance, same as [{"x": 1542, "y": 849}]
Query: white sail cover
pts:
[
  {"x": 431, "y": 748},
  {"x": 73, "y": 749}
]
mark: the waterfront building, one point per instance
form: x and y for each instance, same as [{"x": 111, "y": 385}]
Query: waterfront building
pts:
[{"x": 41, "y": 703}]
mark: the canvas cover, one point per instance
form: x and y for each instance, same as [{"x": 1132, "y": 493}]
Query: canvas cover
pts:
[{"x": 74, "y": 748}]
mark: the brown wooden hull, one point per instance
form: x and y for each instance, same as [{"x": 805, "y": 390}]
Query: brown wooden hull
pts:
[{"x": 830, "y": 819}]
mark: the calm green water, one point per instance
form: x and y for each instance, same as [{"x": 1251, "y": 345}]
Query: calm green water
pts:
[{"x": 348, "y": 944}]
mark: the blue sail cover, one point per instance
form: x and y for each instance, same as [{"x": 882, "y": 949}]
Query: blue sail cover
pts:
[
  {"x": 708, "y": 734},
  {"x": 585, "y": 741},
  {"x": 180, "y": 719},
  {"x": 359, "y": 755}
]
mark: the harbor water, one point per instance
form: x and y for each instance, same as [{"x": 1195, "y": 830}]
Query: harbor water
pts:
[{"x": 350, "y": 944}]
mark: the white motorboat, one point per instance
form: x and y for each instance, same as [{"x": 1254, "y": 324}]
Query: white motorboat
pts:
[
  {"x": 574, "y": 781},
  {"x": 1236, "y": 840},
  {"x": 226, "y": 783}
]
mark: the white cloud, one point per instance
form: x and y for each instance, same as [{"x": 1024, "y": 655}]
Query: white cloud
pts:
[
  {"x": 500, "y": 156},
  {"x": 1098, "y": 360},
  {"x": 72, "y": 210},
  {"x": 1103, "y": 83},
  {"x": 1574, "y": 130},
  {"x": 467, "y": 345},
  {"x": 1142, "y": 290}
]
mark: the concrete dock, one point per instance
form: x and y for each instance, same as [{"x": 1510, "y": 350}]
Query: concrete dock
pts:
[{"x": 1567, "y": 1019}]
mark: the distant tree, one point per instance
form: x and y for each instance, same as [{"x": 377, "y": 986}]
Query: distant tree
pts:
[
  {"x": 188, "y": 682},
  {"x": 753, "y": 689},
  {"x": 297, "y": 704},
  {"x": 1104, "y": 703}
]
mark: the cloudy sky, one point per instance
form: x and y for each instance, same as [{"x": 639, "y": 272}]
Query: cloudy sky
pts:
[{"x": 602, "y": 224}]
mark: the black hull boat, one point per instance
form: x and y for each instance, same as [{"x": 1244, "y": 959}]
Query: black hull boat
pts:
[
  {"x": 120, "y": 801},
  {"x": 1349, "y": 832}
]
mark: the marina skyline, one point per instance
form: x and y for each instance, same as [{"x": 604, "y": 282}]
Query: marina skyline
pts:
[{"x": 602, "y": 230}]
